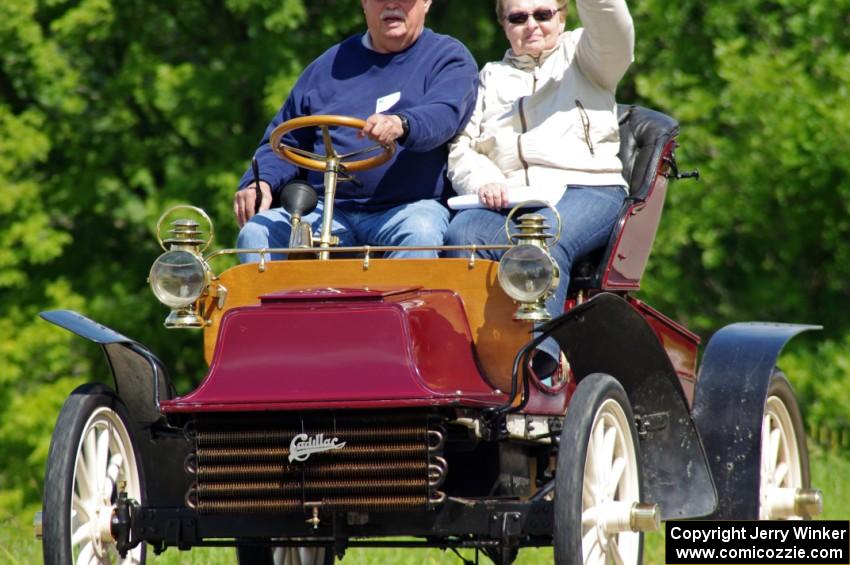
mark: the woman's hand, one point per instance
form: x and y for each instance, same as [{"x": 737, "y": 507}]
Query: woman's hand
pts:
[{"x": 494, "y": 195}]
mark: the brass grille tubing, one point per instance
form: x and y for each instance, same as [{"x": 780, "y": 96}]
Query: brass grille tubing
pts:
[
  {"x": 208, "y": 455},
  {"x": 267, "y": 505},
  {"x": 353, "y": 469},
  {"x": 312, "y": 488},
  {"x": 254, "y": 505},
  {"x": 241, "y": 464}
]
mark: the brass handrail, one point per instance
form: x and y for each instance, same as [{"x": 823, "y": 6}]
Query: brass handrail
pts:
[{"x": 370, "y": 249}]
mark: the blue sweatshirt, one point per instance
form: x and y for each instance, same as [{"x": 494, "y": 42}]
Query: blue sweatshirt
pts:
[{"x": 435, "y": 84}]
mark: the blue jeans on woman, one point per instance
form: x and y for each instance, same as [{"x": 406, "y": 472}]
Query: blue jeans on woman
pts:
[
  {"x": 588, "y": 214},
  {"x": 421, "y": 223}
]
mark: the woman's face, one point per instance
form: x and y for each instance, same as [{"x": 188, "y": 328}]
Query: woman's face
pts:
[{"x": 532, "y": 37}]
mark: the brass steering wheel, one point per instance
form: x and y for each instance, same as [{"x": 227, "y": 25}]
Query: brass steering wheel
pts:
[{"x": 316, "y": 162}]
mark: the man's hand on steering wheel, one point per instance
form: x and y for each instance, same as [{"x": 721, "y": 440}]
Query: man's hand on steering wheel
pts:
[
  {"x": 245, "y": 201},
  {"x": 383, "y": 128}
]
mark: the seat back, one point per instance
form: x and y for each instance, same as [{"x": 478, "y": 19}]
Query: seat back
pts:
[{"x": 647, "y": 140}]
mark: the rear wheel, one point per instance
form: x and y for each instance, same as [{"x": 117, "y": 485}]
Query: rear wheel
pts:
[
  {"x": 784, "y": 454},
  {"x": 597, "y": 478},
  {"x": 91, "y": 457}
]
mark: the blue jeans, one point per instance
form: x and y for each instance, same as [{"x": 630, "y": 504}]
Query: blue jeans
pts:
[
  {"x": 419, "y": 223},
  {"x": 588, "y": 214}
]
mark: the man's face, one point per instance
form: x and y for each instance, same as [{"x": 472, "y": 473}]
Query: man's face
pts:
[{"x": 394, "y": 25}]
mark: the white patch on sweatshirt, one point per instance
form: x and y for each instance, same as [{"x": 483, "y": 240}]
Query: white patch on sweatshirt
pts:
[{"x": 384, "y": 103}]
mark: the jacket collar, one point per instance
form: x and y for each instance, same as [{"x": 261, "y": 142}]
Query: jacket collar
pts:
[{"x": 527, "y": 62}]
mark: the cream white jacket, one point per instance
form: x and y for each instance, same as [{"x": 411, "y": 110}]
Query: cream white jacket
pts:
[{"x": 551, "y": 121}]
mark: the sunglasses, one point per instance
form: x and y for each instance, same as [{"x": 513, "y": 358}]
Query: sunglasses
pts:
[{"x": 541, "y": 15}]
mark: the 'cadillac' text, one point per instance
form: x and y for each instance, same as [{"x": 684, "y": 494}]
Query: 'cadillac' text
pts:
[{"x": 303, "y": 446}]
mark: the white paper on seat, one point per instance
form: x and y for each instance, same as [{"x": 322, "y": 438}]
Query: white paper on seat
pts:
[{"x": 550, "y": 195}]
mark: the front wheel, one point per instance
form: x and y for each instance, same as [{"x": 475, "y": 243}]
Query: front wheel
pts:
[
  {"x": 784, "y": 454},
  {"x": 91, "y": 457},
  {"x": 598, "y": 477}
]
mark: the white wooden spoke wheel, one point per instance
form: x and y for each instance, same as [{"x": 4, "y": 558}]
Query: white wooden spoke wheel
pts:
[
  {"x": 784, "y": 457},
  {"x": 105, "y": 461},
  {"x": 598, "y": 478},
  {"x": 611, "y": 486},
  {"x": 91, "y": 460}
]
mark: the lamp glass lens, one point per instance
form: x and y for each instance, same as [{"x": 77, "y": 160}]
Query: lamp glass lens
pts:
[
  {"x": 177, "y": 278},
  {"x": 525, "y": 272}
]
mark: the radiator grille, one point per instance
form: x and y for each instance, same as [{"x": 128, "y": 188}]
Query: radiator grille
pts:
[{"x": 244, "y": 464}]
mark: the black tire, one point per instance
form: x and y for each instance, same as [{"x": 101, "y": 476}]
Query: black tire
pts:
[
  {"x": 782, "y": 417},
  {"x": 259, "y": 555},
  {"x": 91, "y": 415},
  {"x": 599, "y": 405}
]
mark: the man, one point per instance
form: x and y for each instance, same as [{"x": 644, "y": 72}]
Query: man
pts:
[{"x": 412, "y": 86}]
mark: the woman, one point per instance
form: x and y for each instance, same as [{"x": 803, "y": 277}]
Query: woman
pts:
[{"x": 546, "y": 118}]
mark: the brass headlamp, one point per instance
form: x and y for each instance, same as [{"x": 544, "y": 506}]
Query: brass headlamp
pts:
[
  {"x": 180, "y": 276},
  {"x": 527, "y": 272}
]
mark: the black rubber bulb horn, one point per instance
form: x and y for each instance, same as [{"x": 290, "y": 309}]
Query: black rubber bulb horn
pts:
[{"x": 299, "y": 198}]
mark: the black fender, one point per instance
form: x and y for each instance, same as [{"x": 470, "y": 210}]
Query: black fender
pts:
[
  {"x": 607, "y": 335},
  {"x": 141, "y": 382},
  {"x": 729, "y": 401},
  {"x": 140, "y": 378}
]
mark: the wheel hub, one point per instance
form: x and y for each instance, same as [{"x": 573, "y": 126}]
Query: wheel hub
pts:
[
  {"x": 101, "y": 529},
  {"x": 616, "y": 517},
  {"x": 782, "y": 503}
]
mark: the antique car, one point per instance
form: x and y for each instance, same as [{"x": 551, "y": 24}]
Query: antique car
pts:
[{"x": 353, "y": 400}]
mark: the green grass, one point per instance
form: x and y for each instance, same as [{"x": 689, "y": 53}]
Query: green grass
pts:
[
  {"x": 17, "y": 544},
  {"x": 830, "y": 473}
]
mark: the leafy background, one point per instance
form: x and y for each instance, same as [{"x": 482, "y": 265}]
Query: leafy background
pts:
[{"x": 113, "y": 110}]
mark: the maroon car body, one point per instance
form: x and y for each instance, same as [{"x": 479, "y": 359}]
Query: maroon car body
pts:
[{"x": 341, "y": 410}]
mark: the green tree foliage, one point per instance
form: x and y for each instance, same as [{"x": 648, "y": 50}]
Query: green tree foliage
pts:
[
  {"x": 760, "y": 88},
  {"x": 113, "y": 110},
  {"x": 822, "y": 378}
]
